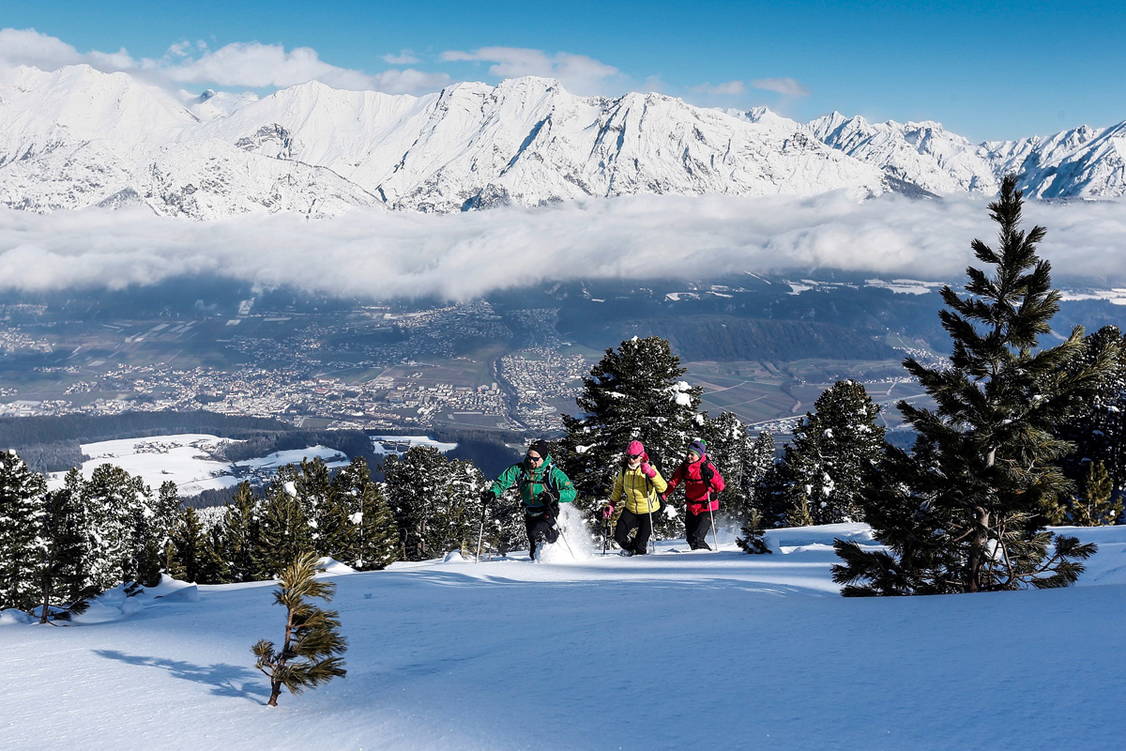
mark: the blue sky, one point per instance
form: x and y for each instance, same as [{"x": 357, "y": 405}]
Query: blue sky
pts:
[{"x": 984, "y": 69}]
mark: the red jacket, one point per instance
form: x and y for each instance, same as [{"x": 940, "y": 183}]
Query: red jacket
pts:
[{"x": 699, "y": 493}]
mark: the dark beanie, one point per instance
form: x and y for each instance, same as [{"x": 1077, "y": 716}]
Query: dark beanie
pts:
[{"x": 540, "y": 447}]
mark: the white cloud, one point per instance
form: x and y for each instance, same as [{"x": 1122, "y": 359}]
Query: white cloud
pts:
[
  {"x": 731, "y": 88},
  {"x": 30, "y": 47},
  {"x": 405, "y": 57},
  {"x": 259, "y": 65},
  {"x": 579, "y": 73},
  {"x": 382, "y": 253},
  {"x": 239, "y": 64},
  {"x": 787, "y": 87}
]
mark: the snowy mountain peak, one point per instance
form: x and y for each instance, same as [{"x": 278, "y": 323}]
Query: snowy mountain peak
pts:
[{"x": 77, "y": 137}]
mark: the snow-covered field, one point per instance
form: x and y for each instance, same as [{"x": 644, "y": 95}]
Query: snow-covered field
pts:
[
  {"x": 675, "y": 650},
  {"x": 186, "y": 459}
]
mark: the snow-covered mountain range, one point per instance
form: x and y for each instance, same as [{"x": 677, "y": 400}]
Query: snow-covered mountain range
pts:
[{"x": 77, "y": 137}]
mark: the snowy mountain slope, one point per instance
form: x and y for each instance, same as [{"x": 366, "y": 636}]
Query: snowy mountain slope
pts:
[
  {"x": 77, "y": 137},
  {"x": 1083, "y": 162},
  {"x": 674, "y": 650},
  {"x": 922, "y": 153},
  {"x": 526, "y": 141}
]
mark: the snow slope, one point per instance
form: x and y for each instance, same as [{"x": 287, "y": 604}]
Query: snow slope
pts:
[
  {"x": 76, "y": 137},
  {"x": 186, "y": 459},
  {"x": 675, "y": 650}
]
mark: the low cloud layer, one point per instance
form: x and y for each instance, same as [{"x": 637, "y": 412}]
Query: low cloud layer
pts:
[{"x": 388, "y": 254}]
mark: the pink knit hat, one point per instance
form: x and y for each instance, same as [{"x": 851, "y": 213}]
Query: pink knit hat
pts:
[{"x": 635, "y": 448}]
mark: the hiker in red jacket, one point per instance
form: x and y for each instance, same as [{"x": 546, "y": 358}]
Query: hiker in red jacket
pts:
[{"x": 701, "y": 482}]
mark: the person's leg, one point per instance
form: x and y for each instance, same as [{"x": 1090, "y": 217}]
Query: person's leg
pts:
[
  {"x": 644, "y": 531},
  {"x": 530, "y": 528},
  {"x": 696, "y": 528},
  {"x": 627, "y": 522}
]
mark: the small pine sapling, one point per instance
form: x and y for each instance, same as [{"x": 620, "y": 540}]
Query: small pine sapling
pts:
[{"x": 309, "y": 655}]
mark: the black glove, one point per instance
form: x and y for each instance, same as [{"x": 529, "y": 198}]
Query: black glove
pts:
[
  {"x": 487, "y": 497},
  {"x": 551, "y": 509}
]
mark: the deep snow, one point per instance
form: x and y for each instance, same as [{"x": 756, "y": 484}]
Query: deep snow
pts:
[{"x": 674, "y": 650}]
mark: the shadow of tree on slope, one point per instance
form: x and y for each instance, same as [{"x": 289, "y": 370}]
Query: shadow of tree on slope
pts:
[{"x": 224, "y": 679}]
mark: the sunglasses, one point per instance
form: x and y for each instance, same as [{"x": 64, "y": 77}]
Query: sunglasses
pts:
[
  {"x": 633, "y": 456},
  {"x": 535, "y": 458}
]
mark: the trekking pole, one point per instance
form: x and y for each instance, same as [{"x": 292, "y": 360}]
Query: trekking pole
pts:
[
  {"x": 652, "y": 529},
  {"x": 480, "y": 533},
  {"x": 711, "y": 516}
]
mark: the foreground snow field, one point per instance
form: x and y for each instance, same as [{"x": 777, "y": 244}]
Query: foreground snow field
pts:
[{"x": 675, "y": 650}]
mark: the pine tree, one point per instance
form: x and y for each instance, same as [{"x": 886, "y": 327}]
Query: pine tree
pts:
[
  {"x": 378, "y": 545},
  {"x": 283, "y": 531},
  {"x": 22, "y": 509},
  {"x": 634, "y": 392},
  {"x": 729, "y": 449},
  {"x": 825, "y": 466},
  {"x": 965, "y": 511},
  {"x": 756, "y": 488},
  {"x": 112, "y": 501},
  {"x": 1098, "y": 504},
  {"x": 63, "y": 585},
  {"x": 1098, "y": 429},
  {"x": 189, "y": 543},
  {"x": 213, "y": 566},
  {"x": 435, "y": 500},
  {"x": 312, "y": 644},
  {"x": 239, "y": 536}
]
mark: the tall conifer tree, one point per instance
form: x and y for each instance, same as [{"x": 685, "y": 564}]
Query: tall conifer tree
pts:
[
  {"x": 22, "y": 511},
  {"x": 965, "y": 512}
]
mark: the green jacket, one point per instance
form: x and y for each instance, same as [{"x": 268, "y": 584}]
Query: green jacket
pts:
[{"x": 533, "y": 482}]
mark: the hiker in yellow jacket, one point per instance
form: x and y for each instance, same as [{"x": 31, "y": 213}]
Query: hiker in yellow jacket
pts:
[{"x": 637, "y": 487}]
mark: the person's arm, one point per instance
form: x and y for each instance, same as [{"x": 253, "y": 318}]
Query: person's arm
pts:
[
  {"x": 717, "y": 480},
  {"x": 676, "y": 479},
  {"x": 616, "y": 493},
  {"x": 506, "y": 480},
  {"x": 659, "y": 483},
  {"x": 567, "y": 490}
]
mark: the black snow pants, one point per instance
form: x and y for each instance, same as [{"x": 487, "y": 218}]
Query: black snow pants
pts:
[
  {"x": 696, "y": 530},
  {"x": 628, "y": 522},
  {"x": 540, "y": 527}
]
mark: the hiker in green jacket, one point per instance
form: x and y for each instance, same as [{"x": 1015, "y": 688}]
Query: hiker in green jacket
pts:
[{"x": 542, "y": 487}]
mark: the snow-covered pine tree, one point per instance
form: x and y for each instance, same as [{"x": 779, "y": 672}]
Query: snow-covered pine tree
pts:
[
  {"x": 634, "y": 392},
  {"x": 112, "y": 500},
  {"x": 338, "y": 517},
  {"x": 366, "y": 535},
  {"x": 311, "y": 487},
  {"x": 283, "y": 529},
  {"x": 239, "y": 536},
  {"x": 22, "y": 510},
  {"x": 436, "y": 501},
  {"x": 756, "y": 487},
  {"x": 189, "y": 543},
  {"x": 729, "y": 449},
  {"x": 965, "y": 511},
  {"x": 312, "y": 644},
  {"x": 760, "y": 462},
  {"x": 63, "y": 585},
  {"x": 378, "y": 545},
  {"x": 1098, "y": 430},
  {"x": 825, "y": 466}
]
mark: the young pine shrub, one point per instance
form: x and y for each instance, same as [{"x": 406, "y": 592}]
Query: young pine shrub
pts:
[{"x": 312, "y": 644}]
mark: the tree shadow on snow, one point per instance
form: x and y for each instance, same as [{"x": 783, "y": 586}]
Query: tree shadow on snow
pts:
[{"x": 224, "y": 679}]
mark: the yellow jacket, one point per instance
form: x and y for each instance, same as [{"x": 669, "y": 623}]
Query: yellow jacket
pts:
[{"x": 639, "y": 491}]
